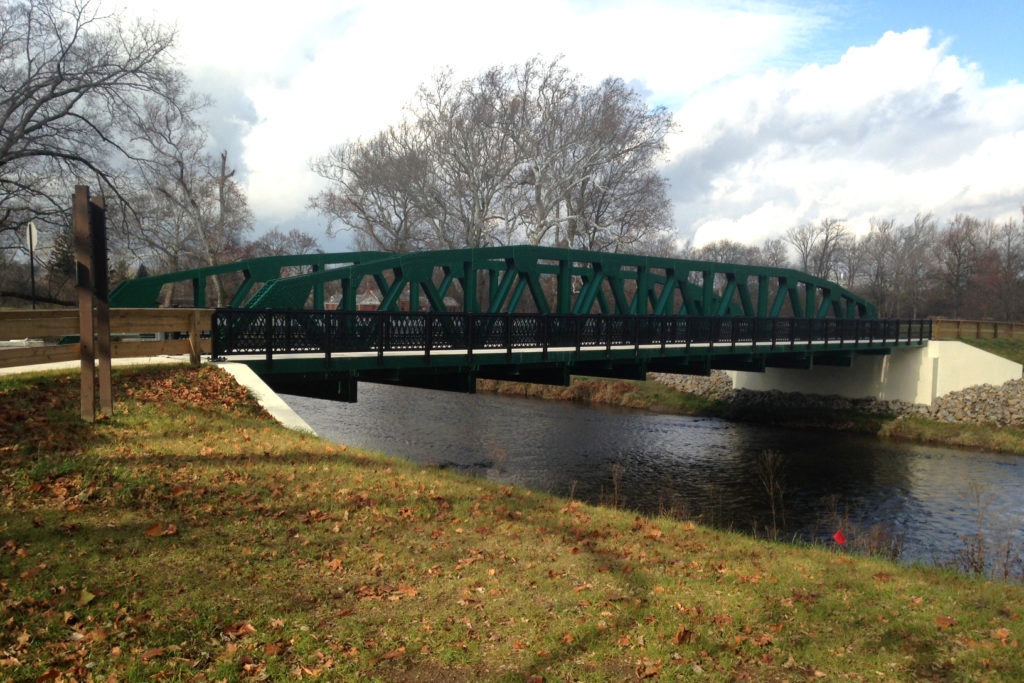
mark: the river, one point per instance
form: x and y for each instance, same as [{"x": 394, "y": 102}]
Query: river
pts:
[{"x": 924, "y": 498}]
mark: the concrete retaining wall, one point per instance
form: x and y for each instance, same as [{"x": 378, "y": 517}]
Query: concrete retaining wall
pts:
[{"x": 917, "y": 374}]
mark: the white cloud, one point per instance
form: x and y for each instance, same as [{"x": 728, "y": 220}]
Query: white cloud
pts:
[
  {"x": 332, "y": 71},
  {"x": 889, "y": 130}
]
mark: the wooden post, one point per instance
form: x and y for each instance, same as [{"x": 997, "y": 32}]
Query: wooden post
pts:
[
  {"x": 101, "y": 285},
  {"x": 83, "y": 261},
  {"x": 193, "y": 338}
]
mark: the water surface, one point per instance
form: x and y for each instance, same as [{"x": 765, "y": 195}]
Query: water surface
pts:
[{"x": 704, "y": 468}]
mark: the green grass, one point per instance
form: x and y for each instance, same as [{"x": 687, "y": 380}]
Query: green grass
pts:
[
  {"x": 978, "y": 437},
  {"x": 189, "y": 537},
  {"x": 623, "y": 393},
  {"x": 1011, "y": 349}
]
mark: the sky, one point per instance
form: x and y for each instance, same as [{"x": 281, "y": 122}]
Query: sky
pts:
[{"x": 785, "y": 112}]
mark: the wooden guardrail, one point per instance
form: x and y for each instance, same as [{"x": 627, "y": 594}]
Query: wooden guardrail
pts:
[
  {"x": 123, "y": 321},
  {"x": 976, "y": 329}
]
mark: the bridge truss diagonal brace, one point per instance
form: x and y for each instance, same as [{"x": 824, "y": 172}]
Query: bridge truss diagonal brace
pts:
[{"x": 527, "y": 279}]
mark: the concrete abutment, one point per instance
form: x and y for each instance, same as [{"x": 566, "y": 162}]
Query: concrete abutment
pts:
[{"x": 916, "y": 374}]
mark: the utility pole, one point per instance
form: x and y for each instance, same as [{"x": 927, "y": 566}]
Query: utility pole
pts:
[{"x": 33, "y": 238}]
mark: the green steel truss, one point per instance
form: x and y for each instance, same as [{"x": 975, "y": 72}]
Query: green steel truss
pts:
[
  {"x": 549, "y": 280},
  {"x": 648, "y": 313},
  {"x": 144, "y": 292},
  {"x": 521, "y": 279}
]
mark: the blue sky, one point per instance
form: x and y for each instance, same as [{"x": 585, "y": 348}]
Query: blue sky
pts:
[
  {"x": 788, "y": 112},
  {"x": 989, "y": 33}
]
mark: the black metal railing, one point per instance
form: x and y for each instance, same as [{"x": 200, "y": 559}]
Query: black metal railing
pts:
[{"x": 270, "y": 332}]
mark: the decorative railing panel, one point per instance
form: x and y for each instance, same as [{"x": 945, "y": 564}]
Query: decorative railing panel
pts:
[{"x": 244, "y": 331}]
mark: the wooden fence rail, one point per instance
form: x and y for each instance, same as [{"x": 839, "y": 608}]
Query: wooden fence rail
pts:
[
  {"x": 53, "y": 324},
  {"x": 976, "y": 329}
]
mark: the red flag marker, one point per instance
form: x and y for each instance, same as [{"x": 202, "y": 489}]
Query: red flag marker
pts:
[{"x": 838, "y": 537}]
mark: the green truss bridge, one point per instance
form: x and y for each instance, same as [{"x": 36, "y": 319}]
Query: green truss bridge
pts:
[{"x": 318, "y": 324}]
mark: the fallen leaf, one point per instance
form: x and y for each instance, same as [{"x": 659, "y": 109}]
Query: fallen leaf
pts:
[
  {"x": 85, "y": 598},
  {"x": 394, "y": 654},
  {"x": 945, "y": 622},
  {"x": 645, "y": 668},
  {"x": 97, "y": 635},
  {"x": 683, "y": 635},
  {"x": 152, "y": 653},
  {"x": 158, "y": 529},
  {"x": 240, "y": 630}
]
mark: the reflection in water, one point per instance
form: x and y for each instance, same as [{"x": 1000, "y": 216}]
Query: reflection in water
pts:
[{"x": 698, "y": 467}]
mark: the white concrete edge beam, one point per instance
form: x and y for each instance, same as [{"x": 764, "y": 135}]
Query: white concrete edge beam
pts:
[{"x": 269, "y": 400}]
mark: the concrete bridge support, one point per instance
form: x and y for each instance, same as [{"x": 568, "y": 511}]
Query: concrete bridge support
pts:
[{"x": 911, "y": 374}]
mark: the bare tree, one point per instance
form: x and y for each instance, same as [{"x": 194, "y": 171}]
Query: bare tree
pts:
[
  {"x": 802, "y": 238},
  {"x": 526, "y": 153},
  {"x": 880, "y": 246},
  {"x": 589, "y": 175},
  {"x": 911, "y": 269},
  {"x": 1008, "y": 249},
  {"x": 773, "y": 253},
  {"x": 956, "y": 263},
  {"x": 820, "y": 247},
  {"x": 188, "y": 207},
  {"x": 727, "y": 251},
  {"x": 370, "y": 190},
  {"x": 72, "y": 82},
  {"x": 277, "y": 243}
]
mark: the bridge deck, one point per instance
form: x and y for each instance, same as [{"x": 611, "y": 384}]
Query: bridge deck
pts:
[
  {"x": 864, "y": 344},
  {"x": 324, "y": 353}
]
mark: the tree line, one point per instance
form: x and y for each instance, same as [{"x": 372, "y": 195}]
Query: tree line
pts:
[
  {"x": 965, "y": 267},
  {"x": 522, "y": 154}
]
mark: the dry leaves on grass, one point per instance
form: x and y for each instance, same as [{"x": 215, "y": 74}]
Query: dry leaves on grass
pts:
[{"x": 156, "y": 530}]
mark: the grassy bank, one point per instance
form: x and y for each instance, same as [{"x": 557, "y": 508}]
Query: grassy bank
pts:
[
  {"x": 656, "y": 397},
  {"x": 188, "y": 537},
  {"x": 621, "y": 393},
  {"x": 1011, "y": 349}
]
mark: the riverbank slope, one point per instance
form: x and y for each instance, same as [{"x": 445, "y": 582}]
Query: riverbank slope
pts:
[
  {"x": 983, "y": 417},
  {"x": 191, "y": 537}
]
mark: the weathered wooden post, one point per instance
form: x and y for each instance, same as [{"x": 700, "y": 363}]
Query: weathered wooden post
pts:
[
  {"x": 89, "y": 222},
  {"x": 83, "y": 283},
  {"x": 101, "y": 297}
]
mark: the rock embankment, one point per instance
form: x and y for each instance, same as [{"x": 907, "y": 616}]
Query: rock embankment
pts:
[{"x": 982, "y": 404}]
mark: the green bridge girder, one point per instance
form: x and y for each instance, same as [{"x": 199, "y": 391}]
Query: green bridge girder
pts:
[
  {"x": 520, "y": 279},
  {"x": 144, "y": 292},
  {"x": 723, "y": 308}
]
